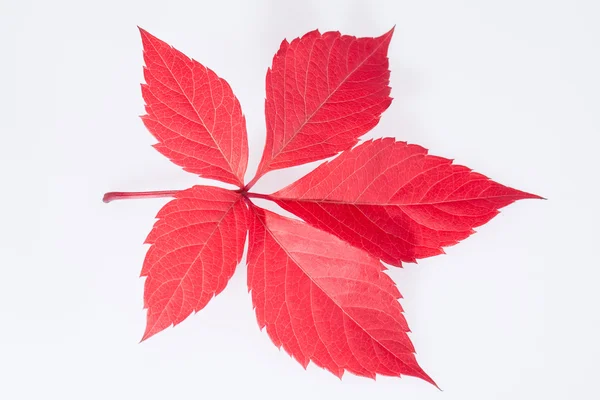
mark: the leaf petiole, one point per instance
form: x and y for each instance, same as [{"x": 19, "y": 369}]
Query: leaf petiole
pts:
[
  {"x": 111, "y": 196},
  {"x": 258, "y": 196}
]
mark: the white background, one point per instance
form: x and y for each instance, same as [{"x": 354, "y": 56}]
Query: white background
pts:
[{"x": 508, "y": 88}]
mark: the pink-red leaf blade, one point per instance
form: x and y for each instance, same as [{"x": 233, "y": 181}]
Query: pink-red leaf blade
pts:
[
  {"x": 196, "y": 245},
  {"x": 326, "y": 301},
  {"x": 193, "y": 114},
  {"x": 395, "y": 201},
  {"x": 323, "y": 92}
]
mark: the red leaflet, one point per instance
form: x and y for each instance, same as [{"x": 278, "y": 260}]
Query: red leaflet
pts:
[
  {"x": 193, "y": 114},
  {"x": 396, "y": 201},
  {"x": 326, "y": 301},
  {"x": 196, "y": 245},
  {"x": 323, "y": 92},
  {"x": 317, "y": 286}
]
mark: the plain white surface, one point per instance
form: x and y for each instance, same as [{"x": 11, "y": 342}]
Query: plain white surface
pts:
[{"x": 508, "y": 88}]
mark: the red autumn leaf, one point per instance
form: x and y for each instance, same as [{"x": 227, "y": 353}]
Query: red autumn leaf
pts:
[
  {"x": 193, "y": 114},
  {"x": 395, "y": 201},
  {"x": 323, "y": 92},
  {"x": 326, "y": 301},
  {"x": 196, "y": 245},
  {"x": 317, "y": 286}
]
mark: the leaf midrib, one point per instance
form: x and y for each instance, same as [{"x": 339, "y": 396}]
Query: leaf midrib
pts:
[{"x": 385, "y": 204}]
